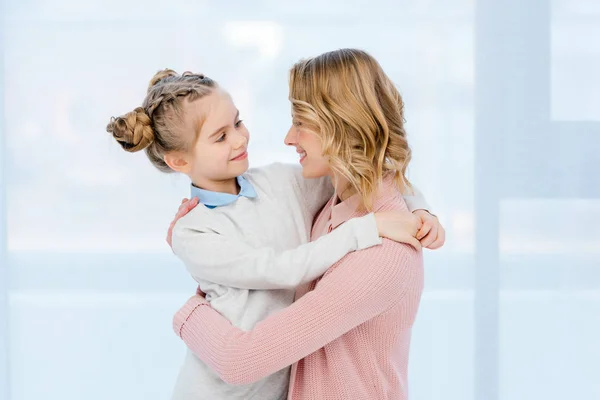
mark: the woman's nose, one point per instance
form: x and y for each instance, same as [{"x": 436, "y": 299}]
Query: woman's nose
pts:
[{"x": 290, "y": 138}]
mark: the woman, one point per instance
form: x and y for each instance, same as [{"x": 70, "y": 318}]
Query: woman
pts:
[
  {"x": 248, "y": 245},
  {"x": 347, "y": 335}
]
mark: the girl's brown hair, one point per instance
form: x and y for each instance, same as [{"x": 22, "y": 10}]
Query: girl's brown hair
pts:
[{"x": 156, "y": 126}]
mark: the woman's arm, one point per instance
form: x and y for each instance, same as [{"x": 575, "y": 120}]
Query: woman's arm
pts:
[{"x": 363, "y": 285}]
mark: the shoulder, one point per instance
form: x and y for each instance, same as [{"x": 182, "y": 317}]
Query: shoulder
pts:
[
  {"x": 391, "y": 273},
  {"x": 275, "y": 172},
  {"x": 389, "y": 254},
  {"x": 399, "y": 263},
  {"x": 199, "y": 218},
  {"x": 277, "y": 179},
  {"x": 388, "y": 198}
]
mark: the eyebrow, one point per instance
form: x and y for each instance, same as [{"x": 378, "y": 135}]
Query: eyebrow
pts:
[{"x": 237, "y": 115}]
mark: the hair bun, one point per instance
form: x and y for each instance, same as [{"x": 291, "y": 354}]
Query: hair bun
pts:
[
  {"x": 194, "y": 75},
  {"x": 133, "y": 130},
  {"x": 160, "y": 75}
]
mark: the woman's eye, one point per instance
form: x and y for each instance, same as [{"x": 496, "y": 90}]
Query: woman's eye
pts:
[
  {"x": 239, "y": 123},
  {"x": 221, "y": 138}
]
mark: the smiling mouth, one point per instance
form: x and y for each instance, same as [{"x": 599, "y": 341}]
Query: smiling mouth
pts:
[
  {"x": 240, "y": 157},
  {"x": 302, "y": 155}
]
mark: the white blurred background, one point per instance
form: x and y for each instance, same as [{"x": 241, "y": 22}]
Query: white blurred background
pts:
[{"x": 503, "y": 115}]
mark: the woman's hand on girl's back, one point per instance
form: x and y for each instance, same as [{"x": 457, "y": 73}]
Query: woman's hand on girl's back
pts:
[{"x": 185, "y": 207}]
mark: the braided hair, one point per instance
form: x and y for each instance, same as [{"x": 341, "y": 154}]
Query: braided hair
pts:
[{"x": 155, "y": 126}]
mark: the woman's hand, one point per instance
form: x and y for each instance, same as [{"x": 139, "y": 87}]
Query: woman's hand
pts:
[
  {"x": 399, "y": 226},
  {"x": 431, "y": 234},
  {"x": 185, "y": 207}
]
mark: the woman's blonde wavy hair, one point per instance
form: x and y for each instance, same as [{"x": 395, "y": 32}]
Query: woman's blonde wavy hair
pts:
[{"x": 346, "y": 98}]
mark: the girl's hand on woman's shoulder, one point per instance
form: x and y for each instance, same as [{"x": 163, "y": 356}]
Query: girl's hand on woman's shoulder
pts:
[
  {"x": 432, "y": 234},
  {"x": 399, "y": 226}
]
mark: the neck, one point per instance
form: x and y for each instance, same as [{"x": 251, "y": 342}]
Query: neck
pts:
[
  {"x": 225, "y": 186},
  {"x": 343, "y": 189}
]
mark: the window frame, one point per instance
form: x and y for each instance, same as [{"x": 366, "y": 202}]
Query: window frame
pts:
[{"x": 4, "y": 284}]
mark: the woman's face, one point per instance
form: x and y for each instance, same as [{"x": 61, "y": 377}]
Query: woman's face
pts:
[{"x": 308, "y": 145}]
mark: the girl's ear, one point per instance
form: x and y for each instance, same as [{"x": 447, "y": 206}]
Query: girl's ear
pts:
[{"x": 177, "y": 162}]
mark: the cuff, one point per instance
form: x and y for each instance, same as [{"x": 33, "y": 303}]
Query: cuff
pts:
[
  {"x": 414, "y": 203},
  {"x": 365, "y": 230},
  {"x": 185, "y": 312}
]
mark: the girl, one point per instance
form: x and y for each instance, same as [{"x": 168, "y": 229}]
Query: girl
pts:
[
  {"x": 252, "y": 230},
  {"x": 347, "y": 335}
]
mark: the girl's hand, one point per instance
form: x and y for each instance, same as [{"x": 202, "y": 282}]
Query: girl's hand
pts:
[
  {"x": 432, "y": 234},
  {"x": 185, "y": 207},
  {"x": 399, "y": 226}
]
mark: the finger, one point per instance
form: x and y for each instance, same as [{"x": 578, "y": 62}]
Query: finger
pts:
[
  {"x": 183, "y": 206},
  {"x": 184, "y": 209},
  {"x": 188, "y": 205},
  {"x": 439, "y": 242},
  {"x": 170, "y": 235},
  {"x": 180, "y": 213},
  {"x": 430, "y": 237},
  {"x": 424, "y": 230},
  {"x": 414, "y": 243},
  {"x": 419, "y": 215},
  {"x": 184, "y": 200},
  {"x": 192, "y": 203}
]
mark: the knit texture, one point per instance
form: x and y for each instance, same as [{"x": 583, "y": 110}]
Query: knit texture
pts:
[{"x": 348, "y": 333}]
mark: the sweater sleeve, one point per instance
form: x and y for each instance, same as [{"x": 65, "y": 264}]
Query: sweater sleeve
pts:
[
  {"x": 315, "y": 192},
  {"x": 231, "y": 262},
  {"x": 416, "y": 201},
  {"x": 361, "y": 286}
]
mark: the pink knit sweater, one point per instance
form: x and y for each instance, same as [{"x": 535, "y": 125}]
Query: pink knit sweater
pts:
[{"x": 348, "y": 333}]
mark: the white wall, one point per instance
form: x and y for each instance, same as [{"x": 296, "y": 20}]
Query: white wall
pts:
[{"x": 503, "y": 115}]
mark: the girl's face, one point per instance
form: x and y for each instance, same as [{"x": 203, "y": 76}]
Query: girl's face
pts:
[
  {"x": 308, "y": 145},
  {"x": 220, "y": 151}
]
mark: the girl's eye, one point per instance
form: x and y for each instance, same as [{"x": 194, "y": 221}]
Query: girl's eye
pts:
[
  {"x": 239, "y": 123},
  {"x": 221, "y": 138}
]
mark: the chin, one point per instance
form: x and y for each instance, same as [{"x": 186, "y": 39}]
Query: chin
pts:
[
  {"x": 309, "y": 173},
  {"x": 241, "y": 167}
]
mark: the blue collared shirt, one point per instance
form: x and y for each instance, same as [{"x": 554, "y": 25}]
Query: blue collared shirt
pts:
[{"x": 216, "y": 199}]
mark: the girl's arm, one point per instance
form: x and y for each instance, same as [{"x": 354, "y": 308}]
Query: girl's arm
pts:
[
  {"x": 229, "y": 261},
  {"x": 316, "y": 191},
  {"x": 416, "y": 201},
  {"x": 363, "y": 285}
]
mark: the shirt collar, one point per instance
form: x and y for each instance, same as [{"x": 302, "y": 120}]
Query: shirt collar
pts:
[
  {"x": 217, "y": 199},
  {"x": 342, "y": 211}
]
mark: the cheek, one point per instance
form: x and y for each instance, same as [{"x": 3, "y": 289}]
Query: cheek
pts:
[
  {"x": 310, "y": 142},
  {"x": 209, "y": 156}
]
